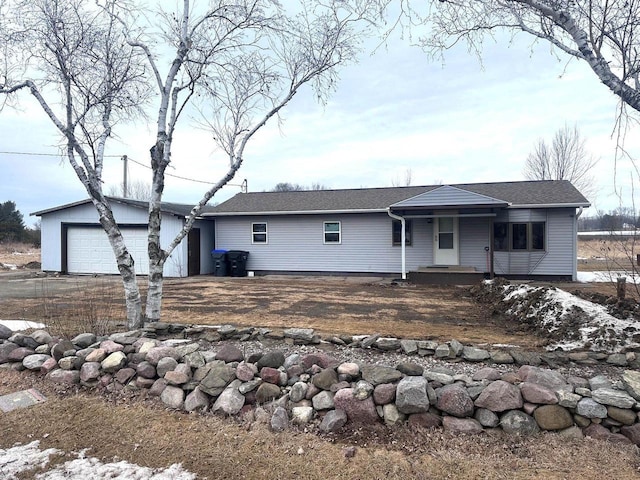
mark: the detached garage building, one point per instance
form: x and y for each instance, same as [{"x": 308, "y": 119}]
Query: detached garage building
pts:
[{"x": 73, "y": 240}]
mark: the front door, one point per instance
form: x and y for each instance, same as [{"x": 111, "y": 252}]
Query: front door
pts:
[{"x": 445, "y": 246}]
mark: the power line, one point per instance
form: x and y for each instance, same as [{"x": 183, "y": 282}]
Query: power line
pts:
[
  {"x": 111, "y": 156},
  {"x": 48, "y": 154},
  {"x": 170, "y": 174}
]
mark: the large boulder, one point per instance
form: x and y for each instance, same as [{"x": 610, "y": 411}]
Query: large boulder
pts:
[
  {"x": 589, "y": 408},
  {"x": 173, "y": 397},
  {"x": 196, "y": 400},
  {"x": 333, "y": 421},
  {"x": 542, "y": 376},
  {"x": 155, "y": 354},
  {"x": 538, "y": 394},
  {"x": 358, "y": 411},
  {"x": 500, "y": 396},
  {"x": 411, "y": 395},
  {"x": 5, "y": 332},
  {"x": 616, "y": 398},
  {"x": 35, "y": 361},
  {"x": 230, "y": 400},
  {"x": 377, "y": 374},
  {"x": 454, "y": 400},
  {"x": 114, "y": 362},
  {"x": 553, "y": 417},
  {"x": 467, "y": 426},
  {"x": 217, "y": 379},
  {"x": 229, "y": 353},
  {"x": 325, "y": 379},
  {"x": 267, "y": 392},
  {"x": 631, "y": 381},
  {"x": 517, "y": 422}
]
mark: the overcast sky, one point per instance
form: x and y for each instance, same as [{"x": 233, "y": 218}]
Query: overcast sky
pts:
[{"x": 393, "y": 111}]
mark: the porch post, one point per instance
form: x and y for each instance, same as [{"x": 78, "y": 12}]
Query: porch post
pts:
[
  {"x": 403, "y": 240},
  {"x": 491, "y": 273}
]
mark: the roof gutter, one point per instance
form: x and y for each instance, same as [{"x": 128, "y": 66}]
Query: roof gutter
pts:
[
  {"x": 550, "y": 205},
  {"x": 293, "y": 212},
  {"x": 402, "y": 241}
]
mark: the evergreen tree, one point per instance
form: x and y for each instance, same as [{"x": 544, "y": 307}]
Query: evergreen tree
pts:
[{"x": 11, "y": 222}]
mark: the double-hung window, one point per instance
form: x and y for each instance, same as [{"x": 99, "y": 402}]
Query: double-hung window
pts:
[
  {"x": 332, "y": 232},
  {"x": 259, "y": 232}
]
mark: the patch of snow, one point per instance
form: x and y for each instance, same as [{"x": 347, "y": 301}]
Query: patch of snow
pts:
[
  {"x": 19, "y": 325},
  {"x": 560, "y": 311},
  {"x": 8, "y": 266},
  {"x": 605, "y": 277},
  {"x": 91, "y": 467},
  {"x": 23, "y": 458}
]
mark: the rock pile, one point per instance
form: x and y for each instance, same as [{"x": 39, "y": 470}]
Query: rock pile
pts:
[{"x": 316, "y": 388}]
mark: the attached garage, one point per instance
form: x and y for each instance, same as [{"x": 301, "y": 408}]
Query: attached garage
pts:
[
  {"x": 89, "y": 251},
  {"x": 74, "y": 242}
]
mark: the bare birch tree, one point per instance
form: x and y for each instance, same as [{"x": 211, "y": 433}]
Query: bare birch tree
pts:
[
  {"x": 604, "y": 34},
  {"x": 75, "y": 62},
  {"x": 565, "y": 158},
  {"x": 238, "y": 61}
]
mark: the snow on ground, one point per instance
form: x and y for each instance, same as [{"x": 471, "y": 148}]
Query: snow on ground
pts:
[
  {"x": 19, "y": 325},
  {"x": 569, "y": 321},
  {"x": 600, "y": 277},
  {"x": 22, "y": 458}
]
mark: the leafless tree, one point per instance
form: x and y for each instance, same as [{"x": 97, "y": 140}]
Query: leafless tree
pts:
[
  {"x": 239, "y": 62},
  {"x": 403, "y": 180},
  {"x": 603, "y": 34},
  {"x": 136, "y": 189},
  {"x": 565, "y": 158}
]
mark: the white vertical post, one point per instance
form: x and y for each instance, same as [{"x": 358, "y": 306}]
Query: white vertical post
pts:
[{"x": 403, "y": 239}]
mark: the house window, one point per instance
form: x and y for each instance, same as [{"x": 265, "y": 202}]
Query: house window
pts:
[
  {"x": 500, "y": 236},
  {"x": 518, "y": 236},
  {"x": 537, "y": 236},
  {"x": 396, "y": 232},
  {"x": 259, "y": 232},
  {"x": 332, "y": 232}
]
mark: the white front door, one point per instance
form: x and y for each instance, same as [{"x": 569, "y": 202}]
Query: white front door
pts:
[{"x": 445, "y": 246}]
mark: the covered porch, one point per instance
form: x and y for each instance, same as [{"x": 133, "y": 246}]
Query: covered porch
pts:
[{"x": 460, "y": 233}]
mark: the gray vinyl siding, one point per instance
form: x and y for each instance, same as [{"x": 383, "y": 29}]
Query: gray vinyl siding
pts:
[
  {"x": 51, "y": 228},
  {"x": 560, "y": 243},
  {"x": 474, "y": 237},
  {"x": 295, "y": 243}
]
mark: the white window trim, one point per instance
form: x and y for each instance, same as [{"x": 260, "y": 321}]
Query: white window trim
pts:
[
  {"x": 265, "y": 233},
  {"x": 324, "y": 232}
]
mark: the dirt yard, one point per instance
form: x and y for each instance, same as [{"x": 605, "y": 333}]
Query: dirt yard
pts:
[{"x": 138, "y": 429}]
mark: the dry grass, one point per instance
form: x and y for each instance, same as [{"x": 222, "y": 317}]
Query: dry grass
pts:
[
  {"x": 141, "y": 431},
  {"x": 17, "y": 253}
]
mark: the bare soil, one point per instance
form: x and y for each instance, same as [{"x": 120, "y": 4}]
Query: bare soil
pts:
[{"x": 139, "y": 430}]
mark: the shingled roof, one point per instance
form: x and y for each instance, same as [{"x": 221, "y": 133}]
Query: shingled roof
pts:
[{"x": 534, "y": 193}]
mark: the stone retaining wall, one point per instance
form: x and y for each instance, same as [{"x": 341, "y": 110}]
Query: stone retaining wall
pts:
[{"x": 318, "y": 389}]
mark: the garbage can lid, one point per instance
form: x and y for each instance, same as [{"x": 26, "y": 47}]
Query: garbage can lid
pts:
[{"x": 219, "y": 251}]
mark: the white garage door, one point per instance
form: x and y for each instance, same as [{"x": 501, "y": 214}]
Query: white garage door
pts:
[{"x": 89, "y": 250}]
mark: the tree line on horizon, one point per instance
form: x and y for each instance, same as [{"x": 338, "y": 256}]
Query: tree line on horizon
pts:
[{"x": 12, "y": 227}]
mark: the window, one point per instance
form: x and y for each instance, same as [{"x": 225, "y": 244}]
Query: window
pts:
[
  {"x": 500, "y": 236},
  {"x": 537, "y": 236},
  {"x": 518, "y": 236},
  {"x": 259, "y": 232},
  {"x": 332, "y": 232},
  {"x": 396, "y": 232}
]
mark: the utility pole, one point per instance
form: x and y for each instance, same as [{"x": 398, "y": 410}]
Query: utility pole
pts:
[{"x": 124, "y": 177}]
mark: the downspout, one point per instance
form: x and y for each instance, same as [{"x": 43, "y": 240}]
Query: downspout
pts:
[
  {"x": 402, "y": 241},
  {"x": 575, "y": 244}
]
